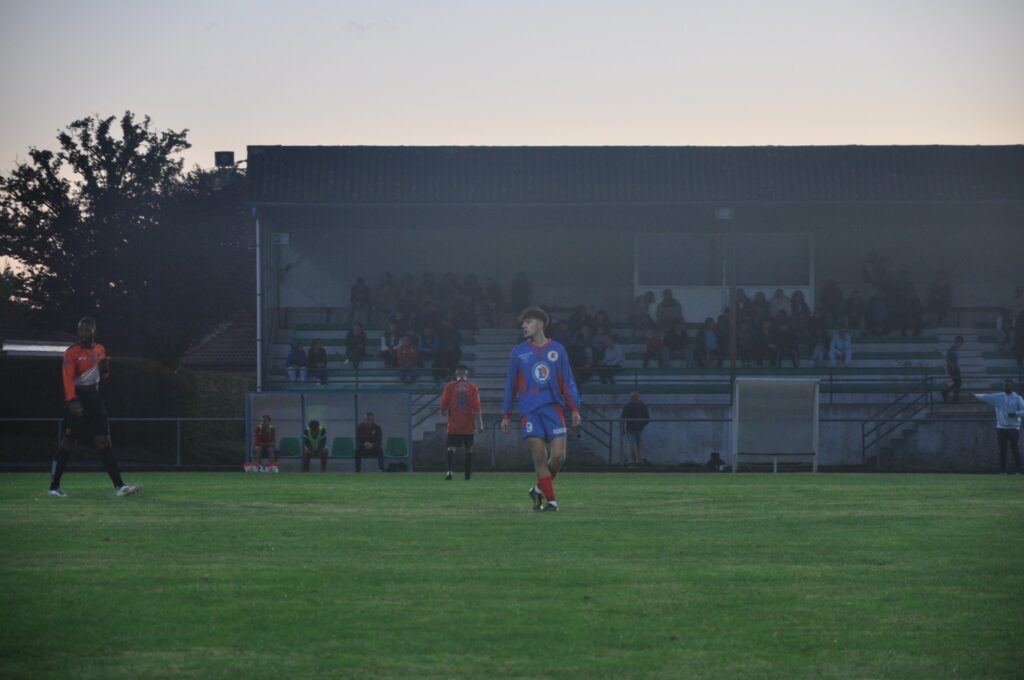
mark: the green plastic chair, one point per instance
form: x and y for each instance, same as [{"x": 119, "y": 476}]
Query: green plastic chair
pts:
[
  {"x": 290, "y": 447},
  {"x": 343, "y": 447},
  {"x": 396, "y": 447}
]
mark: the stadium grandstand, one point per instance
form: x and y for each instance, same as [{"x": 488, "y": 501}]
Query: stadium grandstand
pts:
[{"x": 600, "y": 226}]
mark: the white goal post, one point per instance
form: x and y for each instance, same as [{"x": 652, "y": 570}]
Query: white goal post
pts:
[{"x": 775, "y": 418}]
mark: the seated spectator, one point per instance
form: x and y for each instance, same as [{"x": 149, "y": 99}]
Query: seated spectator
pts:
[
  {"x": 297, "y": 363},
  {"x": 264, "y": 443},
  {"x": 317, "y": 362},
  {"x": 939, "y": 297},
  {"x": 819, "y": 347},
  {"x": 389, "y": 343},
  {"x": 520, "y": 292},
  {"x": 853, "y": 311},
  {"x": 743, "y": 303},
  {"x": 580, "y": 356},
  {"x": 428, "y": 345},
  {"x": 652, "y": 347},
  {"x": 745, "y": 342},
  {"x": 780, "y": 302},
  {"x": 493, "y": 301},
  {"x": 639, "y": 316},
  {"x": 369, "y": 442},
  {"x": 602, "y": 322},
  {"x": 613, "y": 360},
  {"x": 355, "y": 345},
  {"x": 314, "y": 443},
  {"x": 449, "y": 355},
  {"x": 841, "y": 348},
  {"x": 407, "y": 300},
  {"x": 580, "y": 318},
  {"x": 675, "y": 344},
  {"x": 359, "y": 302},
  {"x": 785, "y": 344},
  {"x": 831, "y": 303},
  {"x": 760, "y": 310},
  {"x": 877, "y": 315},
  {"x": 407, "y": 357},
  {"x": 800, "y": 314},
  {"x": 668, "y": 312},
  {"x": 560, "y": 333},
  {"x": 764, "y": 350},
  {"x": 598, "y": 343},
  {"x": 707, "y": 346}
]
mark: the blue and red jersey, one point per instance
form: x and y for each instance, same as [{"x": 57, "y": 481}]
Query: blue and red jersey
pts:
[{"x": 540, "y": 375}]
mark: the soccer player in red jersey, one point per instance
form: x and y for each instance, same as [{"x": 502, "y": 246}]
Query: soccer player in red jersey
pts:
[
  {"x": 85, "y": 416},
  {"x": 460, "y": 402},
  {"x": 264, "y": 442},
  {"x": 540, "y": 377}
]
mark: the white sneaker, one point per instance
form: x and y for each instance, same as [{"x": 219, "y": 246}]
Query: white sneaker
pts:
[
  {"x": 260, "y": 468},
  {"x": 58, "y": 492},
  {"x": 249, "y": 467},
  {"x": 273, "y": 469},
  {"x": 128, "y": 490}
]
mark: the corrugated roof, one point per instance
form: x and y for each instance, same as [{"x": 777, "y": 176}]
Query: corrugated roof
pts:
[
  {"x": 566, "y": 175},
  {"x": 230, "y": 347}
]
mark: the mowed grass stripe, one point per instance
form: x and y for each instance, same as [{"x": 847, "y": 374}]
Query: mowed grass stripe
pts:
[{"x": 660, "y": 576}]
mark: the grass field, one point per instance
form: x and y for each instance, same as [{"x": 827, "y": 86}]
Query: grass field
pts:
[{"x": 405, "y": 575}]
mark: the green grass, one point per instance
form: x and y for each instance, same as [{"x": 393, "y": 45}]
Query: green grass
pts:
[{"x": 639, "y": 576}]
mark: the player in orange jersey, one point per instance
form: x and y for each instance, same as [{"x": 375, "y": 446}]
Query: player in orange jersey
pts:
[
  {"x": 460, "y": 402},
  {"x": 86, "y": 364}
]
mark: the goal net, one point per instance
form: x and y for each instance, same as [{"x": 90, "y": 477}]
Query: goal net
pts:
[{"x": 775, "y": 420}]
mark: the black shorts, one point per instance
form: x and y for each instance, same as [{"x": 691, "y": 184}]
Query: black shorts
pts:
[
  {"x": 457, "y": 440},
  {"x": 91, "y": 424}
]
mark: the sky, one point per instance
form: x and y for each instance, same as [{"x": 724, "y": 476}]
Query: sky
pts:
[{"x": 517, "y": 72}]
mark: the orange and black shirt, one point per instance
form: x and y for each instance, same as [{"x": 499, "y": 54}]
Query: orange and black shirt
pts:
[{"x": 82, "y": 368}]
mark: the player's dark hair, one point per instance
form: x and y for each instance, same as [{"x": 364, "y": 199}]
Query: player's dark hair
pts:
[
  {"x": 462, "y": 367},
  {"x": 88, "y": 320},
  {"x": 958, "y": 338},
  {"x": 535, "y": 313}
]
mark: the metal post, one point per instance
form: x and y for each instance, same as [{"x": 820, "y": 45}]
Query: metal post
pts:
[{"x": 259, "y": 308}]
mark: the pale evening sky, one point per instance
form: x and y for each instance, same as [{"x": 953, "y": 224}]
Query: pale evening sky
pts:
[{"x": 483, "y": 72}]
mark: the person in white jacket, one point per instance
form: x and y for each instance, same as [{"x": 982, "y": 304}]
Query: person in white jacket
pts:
[{"x": 1009, "y": 407}]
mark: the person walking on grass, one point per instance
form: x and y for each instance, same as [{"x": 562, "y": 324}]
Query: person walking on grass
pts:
[
  {"x": 460, "y": 404},
  {"x": 540, "y": 377},
  {"x": 86, "y": 365}
]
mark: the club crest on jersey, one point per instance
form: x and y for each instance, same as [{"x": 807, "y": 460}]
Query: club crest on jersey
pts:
[
  {"x": 552, "y": 356},
  {"x": 541, "y": 373}
]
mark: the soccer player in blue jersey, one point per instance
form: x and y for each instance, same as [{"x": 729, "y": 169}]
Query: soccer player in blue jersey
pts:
[{"x": 539, "y": 374}]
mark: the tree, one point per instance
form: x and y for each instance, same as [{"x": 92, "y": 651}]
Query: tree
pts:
[{"x": 110, "y": 226}]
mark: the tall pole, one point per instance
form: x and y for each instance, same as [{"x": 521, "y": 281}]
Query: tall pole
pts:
[
  {"x": 732, "y": 305},
  {"x": 259, "y": 308}
]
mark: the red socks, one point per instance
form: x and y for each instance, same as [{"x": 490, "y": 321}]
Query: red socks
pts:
[{"x": 546, "y": 487}]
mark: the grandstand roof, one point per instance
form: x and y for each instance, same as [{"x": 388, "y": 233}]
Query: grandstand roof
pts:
[
  {"x": 229, "y": 347},
  {"x": 366, "y": 175}
]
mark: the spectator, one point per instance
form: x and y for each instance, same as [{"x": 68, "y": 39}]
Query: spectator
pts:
[
  {"x": 640, "y": 314},
  {"x": 723, "y": 326},
  {"x": 1009, "y": 408},
  {"x": 878, "y": 315},
  {"x": 853, "y": 311},
  {"x": 763, "y": 348},
  {"x": 359, "y": 302},
  {"x": 785, "y": 343},
  {"x": 520, "y": 292},
  {"x": 819, "y": 347},
  {"x": 831, "y": 303},
  {"x": 384, "y": 300},
  {"x": 841, "y": 349},
  {"x": 613, "y": 360},
  {"x": 1018, "y": 339},
  {"x": 449, "y": 355},
  {"x": 780, "y": 302},
  {"x": 953, "y": 369},
  {"x": 406, "y": 300},
  {"x": 635, "y": 417},
  {"x": 314, "y": 443},
  {"x": 407, "y": 357},
  {"x": 598, "y": 343},
  {"x": 318, "y": 362},
  {"x": 875, "y": 273},
  {"x": 800, "y": 314},
  {"x": 493, "y": 300},
  {"x": 760, "y": 310},
  {"x": 707, "y": 345},
  {"x": 582, "y": 351},
  {"x": 561, "y": 334},
  {"x": 652, "y": 347},
  {"x": 355, "y": 345},
  {"x": 264, "y": 443},
  {"x": 602, "y": 322},
  {"x": 369, "y": 442},
  {"x": 389, "y": 345},
  {"x": 745, "y": 342},
  {"x": 668, "y": 312},
  {"x": 743, "y": 303},
  {"x": 580, "y": 318},
  {"x": 428, "y": 346},
  {"x": 675, "y": 344},
  {"x": 297, "y": 363},
  {"x": 716, "y": 464},
  {"x": 939, "y": 297}
]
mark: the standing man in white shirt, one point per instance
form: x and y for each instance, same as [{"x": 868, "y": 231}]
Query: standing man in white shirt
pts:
[{"x": 1009, "y": 406}]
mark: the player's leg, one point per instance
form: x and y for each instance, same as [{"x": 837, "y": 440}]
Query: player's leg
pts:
[
  {"x": 359, "y": 461},
  {"x": 450, "y": 452},
  {"x": 1014, "y": 436},
  {"x": 60, "y": 460},
  {"x": 539, "y": 452},
  {"x": 106, "y": 451},
  {"x": 469, "y": 457},
  {"x": 1002, "y": 436},
  {"x": 323, "y": 459},
  {"x": 307, "y": 455},
  {"x": 272, "y": 457}
]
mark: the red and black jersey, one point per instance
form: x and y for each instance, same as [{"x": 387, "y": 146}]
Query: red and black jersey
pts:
[
  {"x": 461, "y": 402},
  {"x": 83, "y": 367}
]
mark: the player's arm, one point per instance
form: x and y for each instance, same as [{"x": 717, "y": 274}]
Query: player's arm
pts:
[
  {"x": 104, "y": 362},
  {"x": 988, "y": 398},
  {"x": 567, "y": 385},
  {"x": 445, "y": 399},
  {"x": 511, "y": 384},
  {"x": 68, "y": 374},
  {"x": 476, "y": 408}
]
